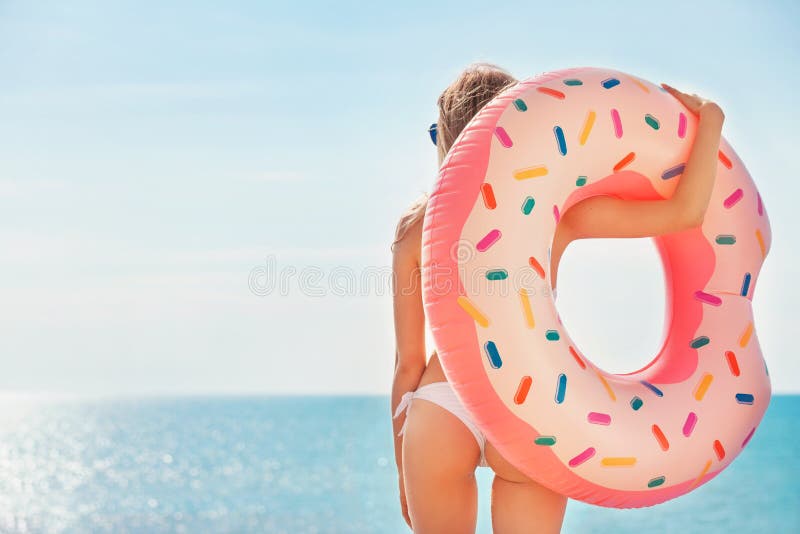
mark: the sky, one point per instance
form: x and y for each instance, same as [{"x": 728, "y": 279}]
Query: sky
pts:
[{"x": 162, "y": 164}]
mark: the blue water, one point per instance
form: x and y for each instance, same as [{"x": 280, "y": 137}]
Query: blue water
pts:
[{"x": 305, "y": 464}]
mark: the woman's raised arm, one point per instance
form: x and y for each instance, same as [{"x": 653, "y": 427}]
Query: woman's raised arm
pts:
[{"x": 606, "y": 216}]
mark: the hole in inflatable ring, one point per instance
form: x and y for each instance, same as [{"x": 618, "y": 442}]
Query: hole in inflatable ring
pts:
[{"x": 612, "y": 301}]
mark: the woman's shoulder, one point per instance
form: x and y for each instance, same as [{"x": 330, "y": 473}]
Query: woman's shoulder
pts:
[
  {"x": 408, "y": 233},
  {"x": 408, "y": 239}
]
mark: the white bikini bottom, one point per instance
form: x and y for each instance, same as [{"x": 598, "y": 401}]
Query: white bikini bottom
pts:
[{"x": 442, "y": 393}]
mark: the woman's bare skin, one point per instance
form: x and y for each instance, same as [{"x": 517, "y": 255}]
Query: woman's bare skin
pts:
[{"x": 438, "y": 455}]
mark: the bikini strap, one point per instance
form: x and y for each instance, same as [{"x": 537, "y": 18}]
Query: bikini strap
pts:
[{"x": 405, "y": 402}]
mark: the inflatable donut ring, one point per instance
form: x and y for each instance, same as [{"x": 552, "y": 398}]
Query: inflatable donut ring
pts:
[{"x": 615, "y": 440}]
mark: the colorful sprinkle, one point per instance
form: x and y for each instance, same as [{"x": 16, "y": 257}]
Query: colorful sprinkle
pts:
[
  {"x": 577, "y": 357},
  {"x": 561, "y": 388},
  {"x": 582, "y": 457},
  {"x": 673, "y": 171},
  {"x": 745, "y": 337},
  {"x": 522, "y": 389},
  {"x": 545, "y": 440},
  {"x": 660, "y": 437},
  {"x": 527, "y": 206},
  {"x": 488, "y": 240},
  {"x": 719, "y": 450},
  {"x": 733, "y": 364},
  {"x": 556, "y": 215},
  {"x": 551, "y": 92},
  {"x": 609, "y": 83},
  {"x": 699, "y": 342},
  {"x": 726, "y": 239},
  {"x": 573, "y": 81},
  {"x": 688, "y": 426},
  {"x": 702, "y": 473},
  {"x": 652, "y": 122},
  {"x": 520, "y": 105},
  {"x": 761, "y": 243},
  {"x": 749, "y": 435},
  {"x": 470, "y": 308},
  {"x": 760, "y": 205},
  {"x": 745, "y": 285},
  {"x": 681, "y": 125},
  {"x": 497, "y": 274},
  {"x": 656, "y": 481},
  {"x": 526, "y": 307},
  {"x": 597, "y": 418},
  {"x": 580, "y": 181},
  {"x": 503, "y": 137},
  {"x": 493, "y": 354},
  {"x": 607, "y": 386},
  {"x": 624, "y": 161},
  {"x": 617, "y": 123},
  {"x": 537, "y": 267},
  {"x": 562, "y": 143},
  {"x": 488, "y": 196},
  {"x": 724, "y": 159},
  {"x": 587, "y": 127},
  {"x": 652, "y": 388},
  {"x": 708, "y": 298},
  {"x": 552, "y": 335},
  {"x": 636, "y": 403},
  {"x": 618, "y": 461},
  {"x": 744, "y": 398},
  {"x": 530, "y": 172},
  {"x": 702, "y": 386},
  {"x": 733, "y": 198},
  {"x": 640, "y": 84}
]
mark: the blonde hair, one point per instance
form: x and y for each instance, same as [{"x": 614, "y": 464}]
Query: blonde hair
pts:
[{"x": 476, "y": 85}]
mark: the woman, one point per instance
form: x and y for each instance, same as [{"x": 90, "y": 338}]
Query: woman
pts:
[{"x": 437, "y": 444}]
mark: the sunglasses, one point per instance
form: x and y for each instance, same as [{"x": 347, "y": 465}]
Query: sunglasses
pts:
[{"x": 432, "y": 132}]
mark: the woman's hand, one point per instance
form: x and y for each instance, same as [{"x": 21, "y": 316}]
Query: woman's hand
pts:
[
  {"x": 699, "y": 106},
  {"x": 404, "y": 503}
]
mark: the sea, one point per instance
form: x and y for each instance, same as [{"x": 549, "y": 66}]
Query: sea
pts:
[{"x": 297, "y": 464}]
